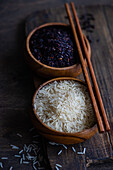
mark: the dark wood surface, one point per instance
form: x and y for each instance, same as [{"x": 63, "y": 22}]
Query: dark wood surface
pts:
[
  {"x": 98, "y": 147},
  {"x": 17, "y": 88}
]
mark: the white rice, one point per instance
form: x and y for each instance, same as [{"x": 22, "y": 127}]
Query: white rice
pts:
[
  {"x": 74, "y": 150},
  {"x": 14, "y": 147},
  {"x": 64, "y": 146},
  {"x": 4, "y": 157},
  {"x": 57, "y": 168},
  {"x": 1, "y": 165},
  {"x": 20, "y": 151},
  {"x": 25, "y": 162},
  {"x": 59, "y": 152},
  {"x": 17, "y": 156},
  {"x": 18, "y": 134},
  {"x": 59, "y": 165},
  {"x": 65, "y": 106}
]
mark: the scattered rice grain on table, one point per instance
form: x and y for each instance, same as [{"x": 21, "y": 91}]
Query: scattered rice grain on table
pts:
[
  {"x": 84, "y": 151},
  {"x": 18, "y": 134},
  {"x": 1, "y": 165},
  {"x": 59, "y": 152},
  {"x": 73, "y": 149},
  {"x": 56, "y": 168},
  {"x": 4, "y": 157},
  {"x": 64, "y": 146},
  {"x": 59, "y": 165}
]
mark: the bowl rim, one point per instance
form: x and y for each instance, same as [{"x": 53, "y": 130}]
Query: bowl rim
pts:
[
  {"x": 44, "y": 65},
  {"x": 49, "y": 128}
]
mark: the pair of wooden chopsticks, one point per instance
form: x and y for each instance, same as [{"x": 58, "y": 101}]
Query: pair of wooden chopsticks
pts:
[{"x": 101, "y": 119}]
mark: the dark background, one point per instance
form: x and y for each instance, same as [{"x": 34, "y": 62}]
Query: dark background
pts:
[{"x": 16, "y": 82}]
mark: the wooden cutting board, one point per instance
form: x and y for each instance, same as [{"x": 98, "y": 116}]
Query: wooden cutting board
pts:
[{"x": 97, "y": 25}]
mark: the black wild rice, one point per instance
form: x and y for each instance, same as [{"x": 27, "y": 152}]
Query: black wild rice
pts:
[{"x": 53, "y": 46}]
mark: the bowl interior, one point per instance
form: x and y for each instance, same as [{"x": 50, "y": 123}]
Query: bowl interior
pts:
[
  {"x": 47, "y": 129},
  {"x": 56, "y": 25}
]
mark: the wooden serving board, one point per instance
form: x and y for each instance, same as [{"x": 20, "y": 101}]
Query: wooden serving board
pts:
[{"x": 100, "y": 34}]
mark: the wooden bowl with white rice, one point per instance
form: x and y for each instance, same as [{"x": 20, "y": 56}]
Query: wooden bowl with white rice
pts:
[{"x": 63, "y": 112}]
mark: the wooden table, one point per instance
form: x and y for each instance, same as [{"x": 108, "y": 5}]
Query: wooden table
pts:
[{"x": 17, "y": 88}]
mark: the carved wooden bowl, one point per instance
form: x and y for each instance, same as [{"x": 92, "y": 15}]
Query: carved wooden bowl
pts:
[
  {"x": 57, "y": 136},
  {"x": 48, "y": 71}
]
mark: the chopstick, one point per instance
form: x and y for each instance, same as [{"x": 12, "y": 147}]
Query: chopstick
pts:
[
  {"x": 107, "y": 126},
  {"x": 86, "y": 76}
]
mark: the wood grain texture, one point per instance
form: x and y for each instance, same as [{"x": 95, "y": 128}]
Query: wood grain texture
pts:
[
  {"x": 16, "y": 81},
  {"x": 98, "y": 146},
  {"x": 109, "y": 38},
  {"x": 14, "y": 121},
  {"x": 68, "y": 159}
]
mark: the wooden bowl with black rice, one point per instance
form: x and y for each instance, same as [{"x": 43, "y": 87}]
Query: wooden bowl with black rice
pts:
[{"x": 51, "y": 51}]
